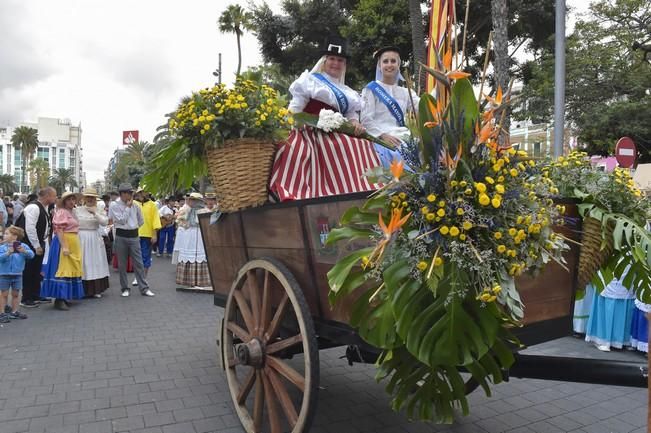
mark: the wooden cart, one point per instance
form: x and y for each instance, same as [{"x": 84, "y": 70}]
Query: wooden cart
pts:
[{"x": 268, "y": 268}]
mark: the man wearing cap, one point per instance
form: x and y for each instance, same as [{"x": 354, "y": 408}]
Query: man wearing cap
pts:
[
  {"x": 211, "y": 201},
  {"x": 127, "y": 219},
  {"x": 148, "y": 230}
]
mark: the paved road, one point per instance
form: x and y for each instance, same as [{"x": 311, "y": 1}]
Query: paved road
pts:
[{"x": 149, "y": 365}]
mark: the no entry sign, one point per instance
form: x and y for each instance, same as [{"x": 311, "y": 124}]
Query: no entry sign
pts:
[{"x": 625, "y": 152}]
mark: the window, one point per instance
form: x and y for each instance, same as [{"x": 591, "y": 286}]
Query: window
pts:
[
  {"x": 1, "y": 160},
  {"x": 62, "y": 158},
  {"x": 72, "y": 160},
  {"x": 536, "y": 148},
  {"x": 17, "y": 158},
  {"x": 43, "y": 153},
  {"x": 9, "y": 159}
]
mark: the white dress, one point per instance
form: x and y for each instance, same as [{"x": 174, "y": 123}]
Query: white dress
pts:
[
  {"x": 190, "y": 248},
  {"x": 307, "y": 87},
  {"x": 376, "y": 117},
  {"x": 91, "y": 228}
]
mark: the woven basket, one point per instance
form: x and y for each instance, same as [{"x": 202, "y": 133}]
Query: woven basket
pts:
[
  {"x": 240, "y": 172},
  {"x": 593, "y": 256}
]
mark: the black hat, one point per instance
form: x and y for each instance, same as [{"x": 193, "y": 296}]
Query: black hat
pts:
[
  {"x": 125, "y": 187},
  {"x": 378, "y": 53},
  {"x": 335, "y": 46}
]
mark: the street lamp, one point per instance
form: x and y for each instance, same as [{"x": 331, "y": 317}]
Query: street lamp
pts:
[{"x": 559, "y": 79}]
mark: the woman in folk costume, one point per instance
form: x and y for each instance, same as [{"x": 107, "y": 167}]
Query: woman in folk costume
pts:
[
  {"x": 192, "y": 266},
  {"x": 611, "y": 317},
  {"x": 63, "y": 270},
  {"x": 92, "y": 223},
  {"x": 313, "y": 163},
  {"x": 385, "y": 105}
]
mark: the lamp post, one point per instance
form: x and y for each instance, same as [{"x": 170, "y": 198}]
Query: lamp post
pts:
[{"x": 559, "y": 79}]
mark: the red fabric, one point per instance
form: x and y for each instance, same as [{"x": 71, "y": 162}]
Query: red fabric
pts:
[
  {"x": 315, "y": 107},
  {"x": 313, "y": 163},
  {"x": 129, "y": 263}
]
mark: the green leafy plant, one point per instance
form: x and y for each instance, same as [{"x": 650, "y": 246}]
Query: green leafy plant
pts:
[{"x": 435, "y": 289}]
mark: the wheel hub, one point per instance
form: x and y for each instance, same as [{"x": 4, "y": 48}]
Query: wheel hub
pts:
[{"x": 251, "y": 353}]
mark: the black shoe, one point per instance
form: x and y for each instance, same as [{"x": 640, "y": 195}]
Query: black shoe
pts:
[
  {"x": 29, "y": 304},
  {"x": 7, "y": 309},
  {"x": 17, "y": 315},
  {"x": 60, "y": 305},
  {"x": 44, "y": 300}
]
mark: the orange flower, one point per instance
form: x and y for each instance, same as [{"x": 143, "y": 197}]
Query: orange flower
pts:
[
  {"x": 396, "y": 222},
  {"x": 498, "y": 98},
  {"x": 397, "y": 167},
  {"x": 457, "y": 75}
]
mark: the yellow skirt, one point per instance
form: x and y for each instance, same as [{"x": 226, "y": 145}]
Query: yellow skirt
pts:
[{"x": 70, "y": 265}]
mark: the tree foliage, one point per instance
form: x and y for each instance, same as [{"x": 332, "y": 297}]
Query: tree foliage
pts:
[
  {"x": 7, "y": 184},
  {"x": 25, "y": 139},
  {"x": 291, "y": 39},
  {"x": 235, "y": 19},
  {"x": 39, "y": 171},
  {"x": 63, "y": 179},
  {"x": 607, "y": 81}
]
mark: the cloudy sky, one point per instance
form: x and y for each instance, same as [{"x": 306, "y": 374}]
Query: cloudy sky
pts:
[{"x": 111, "y": 65}]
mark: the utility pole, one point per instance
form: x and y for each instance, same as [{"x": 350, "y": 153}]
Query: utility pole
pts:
[
  {"x": 559, "y": 79},
  {"x": 218, "y": 72}
]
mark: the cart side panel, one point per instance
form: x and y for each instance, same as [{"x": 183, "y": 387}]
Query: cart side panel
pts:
[
  {"x": 225, "y": 250},
  {"x": 319, "y": 219},
  {"x": 550, "y": 295},
  {"x": 277, "y": 232}
]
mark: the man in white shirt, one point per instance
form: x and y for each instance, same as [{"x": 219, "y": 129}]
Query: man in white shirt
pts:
[{"x": 127, "y": 218}]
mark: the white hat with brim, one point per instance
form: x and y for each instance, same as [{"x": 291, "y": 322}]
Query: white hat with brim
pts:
[
  {"x": 90, "y": 192},
  {"x": 196, "y": 196},
  {"x": 67, "y": 195}
]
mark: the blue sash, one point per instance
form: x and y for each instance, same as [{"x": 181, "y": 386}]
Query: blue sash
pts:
[
  {"x": 342, "y": 101},
  {"x": 388, "y": 101}
]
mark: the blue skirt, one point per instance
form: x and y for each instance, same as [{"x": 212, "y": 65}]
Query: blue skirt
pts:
[
  {"x": 387, "y": 156},
  {"x": 59, "y": 288},
  {"x": 640, "y": 331},
  {"x": 610, "y": 322}
]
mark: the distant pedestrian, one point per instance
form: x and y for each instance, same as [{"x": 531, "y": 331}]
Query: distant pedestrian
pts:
[
  {"x": 13, "y": 254},
  {"x": 211, "y": 201},
  {"x": 127, "y": 218},
  {"x": 63, "y": 270},
  {"x": 35, "y": 220},
  {"x": 19, "y": 205},
  {"x": 167, "y": 231},
  {"x": 192, "y": 266},
  {"x": 92, "y": 224}
]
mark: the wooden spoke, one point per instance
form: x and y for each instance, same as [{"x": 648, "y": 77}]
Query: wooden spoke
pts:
[
  {"x": 252, "y": 281},
  {"x": 283, "y": 397},
  {"x": 244, "y": 309},
  {"x": 246, "y": 388},
  {"x": 238, "y": 332},
  {"x": 274, "y": 419},
  {"x": 258, "y": 403},
  {"x": 232, "y": 362},
  {"x": 275, "y": 323},
  {"x": 283, "y": 344},
  {"x": 288, "y": 372},
  {"x": 265, "y": 314}
]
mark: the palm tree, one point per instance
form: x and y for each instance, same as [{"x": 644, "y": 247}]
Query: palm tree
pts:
[
  {"x": 418, "y": 40},
  {"x": 7, "y": 184},
  {"x": 39, "y": 170},
  {"x": 235, "y": 20},
  {"x": 25, "y": 139},
  {"x": 501, "y": 62},
  {"x": 62, "y": 178},
  {"x": 137, "y": 151}
]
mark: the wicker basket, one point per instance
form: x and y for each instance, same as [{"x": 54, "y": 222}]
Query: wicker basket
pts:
[
  {"x": 240, "y": 172},
  {"x": 593, "y": 256}
]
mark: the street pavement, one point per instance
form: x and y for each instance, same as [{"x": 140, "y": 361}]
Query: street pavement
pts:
[{"x": 149, "y": 365}]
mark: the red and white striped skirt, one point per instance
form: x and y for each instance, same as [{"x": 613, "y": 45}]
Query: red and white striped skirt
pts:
[{"x": 313, "y": 163}]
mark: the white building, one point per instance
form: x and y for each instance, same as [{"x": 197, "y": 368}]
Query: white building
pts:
[{"x": 59, "y": 145}]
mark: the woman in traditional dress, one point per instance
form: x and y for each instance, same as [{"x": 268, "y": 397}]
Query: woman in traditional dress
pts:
[
  {"x": 313, "y": 163},
  {"x": 640, "y": 327},
  {"x": 92, "y": 221},
  {"x": 611, "y": 316},
  {"x": 192, "y": 266},
  {"x": 385, "y": 105},
  {"x": 63, "y": 270}
]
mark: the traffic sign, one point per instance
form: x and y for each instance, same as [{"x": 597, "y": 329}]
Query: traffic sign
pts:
[{"x": 625, "y": 152}]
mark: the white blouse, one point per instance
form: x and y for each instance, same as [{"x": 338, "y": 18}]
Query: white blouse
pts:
[
  {"x": 89, "y": 221},
  {"x": 308, "y": 87},
  {"x": 376, "y": 117}
]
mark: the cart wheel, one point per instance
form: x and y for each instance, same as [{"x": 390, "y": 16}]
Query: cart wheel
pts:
[{"x": 267, "y": 320}]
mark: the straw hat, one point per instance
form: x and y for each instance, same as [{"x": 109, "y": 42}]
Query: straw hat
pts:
[
  {"x": 196, "y": 196},
  {"x": 90, "y": 192},
  {"x": 211, "y": 195},
  {"x": 67, "y": 195}
]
